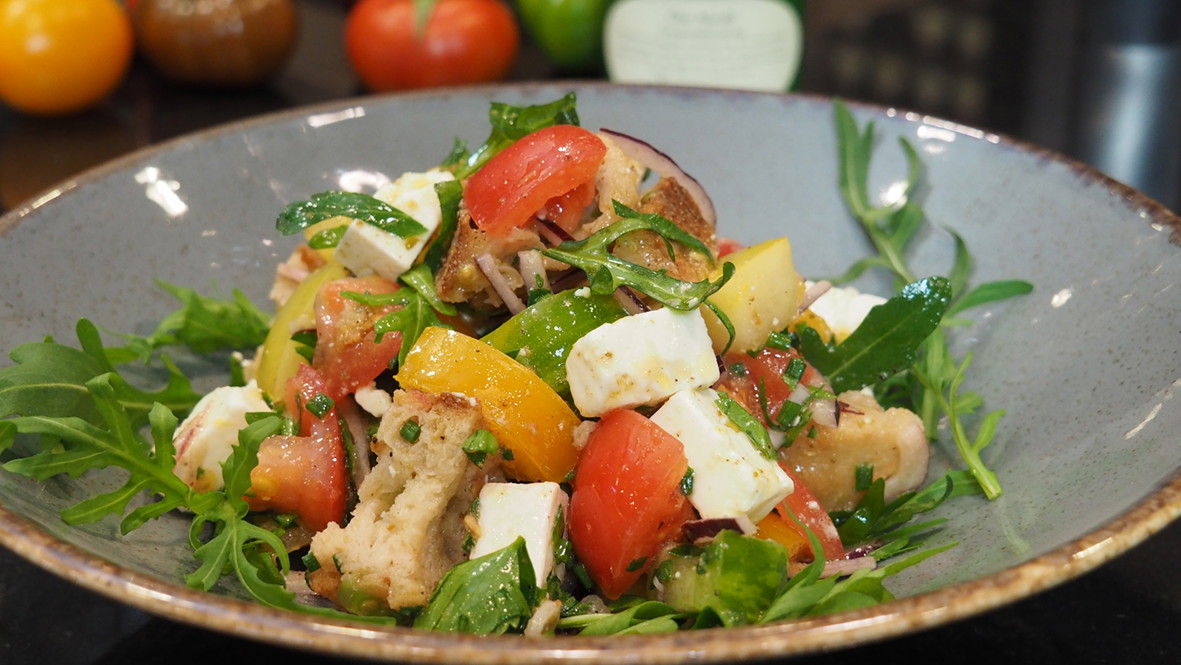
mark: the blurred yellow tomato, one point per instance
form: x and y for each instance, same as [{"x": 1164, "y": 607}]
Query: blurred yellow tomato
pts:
[{"x": 61, "y": 56}]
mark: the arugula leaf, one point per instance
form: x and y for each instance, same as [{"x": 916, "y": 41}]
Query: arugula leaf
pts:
[
  {"x": 205, "y": 324},
  {"x": 510, "y": 123},
  {"x": 811, "y": 596},
  {"x": 634, "y": 618},
  {"x": 489, "y": 595},
  {"x": 420, "y": 307},
  {"x": 369, "y": 209},
  {"x": 875, "y": 520},
  {"x": 935, "y": 377},
  {"x": 607, "y": 272},
  {"x": 886, "y": 342},
  {"x": 51, "y": 380}
]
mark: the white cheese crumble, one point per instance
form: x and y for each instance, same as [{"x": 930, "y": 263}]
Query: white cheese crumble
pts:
[
  {"x": 640, "y": 359},
  {"x": 730, "y": 477}
]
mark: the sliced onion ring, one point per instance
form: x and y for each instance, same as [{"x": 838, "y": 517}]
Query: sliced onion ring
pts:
[{"x": 661, "y": 163}]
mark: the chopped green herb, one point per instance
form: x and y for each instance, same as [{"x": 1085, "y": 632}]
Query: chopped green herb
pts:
[
  {"x": 747, "y": 424},
  {"x": 410, "y": 431},
  {"x": 320, "y": 405},
  {"x": 863, "y": 477},
  {"x": 687, "y": 482},
  {"x": 637, "y": 564},
  {"x": 480, "y": 445}
]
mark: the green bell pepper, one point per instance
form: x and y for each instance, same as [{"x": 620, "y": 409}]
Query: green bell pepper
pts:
[{"x": 569, "y": 32}]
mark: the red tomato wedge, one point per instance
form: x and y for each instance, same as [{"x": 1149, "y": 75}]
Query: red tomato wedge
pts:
[
  {"x": 809, "y": 513},
  {"x": 528, "y": 175},
  {"x": 303, "y": 474},
  {"x": 348, "y": 354},
  {"x": 626, "y": 501},
  {"x": 762, "y": 376}
]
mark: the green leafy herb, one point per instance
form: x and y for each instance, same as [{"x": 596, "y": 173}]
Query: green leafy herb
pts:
[
  {"x": 635, "y": 618},
  {"x": 607, "y": 272},
  {"x": 419, "y": 309},
  {"x": 489, "y": 595},
  {"x": 51, "y": 380},
  {"x": 886, "y": 342},
  {"x": 891, "y": 228},
  {"x": 480, "y": 445},
  {"x": 875, "y": 520},
  {"x": 369, "y": 209},
  {"x": 863, "y": 477},
  {"x": 450, "y": 193},
  {"x": 204, "y": 324}
]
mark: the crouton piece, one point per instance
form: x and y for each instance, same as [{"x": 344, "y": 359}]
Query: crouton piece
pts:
[
  {"x": 460, "y": 279},
  {"x": 893, "y": 441},
  {"x": 407, "y": 529},
  {"x": 670, "y": 200}
]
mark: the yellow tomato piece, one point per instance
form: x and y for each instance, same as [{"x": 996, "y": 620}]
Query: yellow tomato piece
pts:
[
  {"x": 775, "y": 527},
  {"x": 527, "y": 417},
  {"x": 763, "y": 296},
  {"x": 279, "y": 357}
]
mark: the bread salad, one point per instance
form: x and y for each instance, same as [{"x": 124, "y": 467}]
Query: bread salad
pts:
[{"x": 534, "y": 389}]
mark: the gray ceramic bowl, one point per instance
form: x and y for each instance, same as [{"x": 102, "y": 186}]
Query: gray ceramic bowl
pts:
[{"x": 1085, "y": 367}]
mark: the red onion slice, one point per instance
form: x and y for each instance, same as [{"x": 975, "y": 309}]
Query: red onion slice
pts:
[
  {"x": 533, "y": 270},
  {"x": 813, "y": 294},
  {"x": 661, "y": 163}
]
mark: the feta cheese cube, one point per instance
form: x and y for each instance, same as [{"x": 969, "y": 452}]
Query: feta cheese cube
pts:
[
  {"x": 527, "y": 510},
  {"x": 640, "y": 359},
  {"x": 208, "y": 435},
  {"x": 730, "y": 477},
  {"x": 844, "y": 308},
  {"x": 365, "y": 249}
]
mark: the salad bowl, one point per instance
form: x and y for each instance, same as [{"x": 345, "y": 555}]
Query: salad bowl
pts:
[{"x": 1085, "y": 367}]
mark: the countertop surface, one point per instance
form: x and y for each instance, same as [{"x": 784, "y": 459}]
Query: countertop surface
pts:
[{"x": 1126, "y": 611}]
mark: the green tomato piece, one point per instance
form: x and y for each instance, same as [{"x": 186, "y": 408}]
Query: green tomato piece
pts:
[
  {"x": 541, "y": 335},
  {"x": 735, "y": 576}
]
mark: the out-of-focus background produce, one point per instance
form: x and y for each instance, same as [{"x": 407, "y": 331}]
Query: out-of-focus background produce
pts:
[{"x": 86, "y": 81}]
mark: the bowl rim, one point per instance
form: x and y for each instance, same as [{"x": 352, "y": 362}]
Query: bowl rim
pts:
[{"x": 1160, "y": 506}]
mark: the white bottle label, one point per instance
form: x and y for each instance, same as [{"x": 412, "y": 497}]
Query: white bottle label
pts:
[{"x": 743, "y": 44}]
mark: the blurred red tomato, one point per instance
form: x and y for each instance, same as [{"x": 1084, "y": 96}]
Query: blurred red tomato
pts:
[{"x": 462, "y": 41}]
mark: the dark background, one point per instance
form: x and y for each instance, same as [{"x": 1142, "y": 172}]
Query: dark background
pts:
[{"x": 1096, "y": 80}]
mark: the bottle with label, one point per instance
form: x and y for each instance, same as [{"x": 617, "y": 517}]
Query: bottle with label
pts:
[{"x": 740, "y": 44}]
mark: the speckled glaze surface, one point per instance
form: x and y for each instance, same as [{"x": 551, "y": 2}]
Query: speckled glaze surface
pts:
[{"x": 1086, "y": 367}]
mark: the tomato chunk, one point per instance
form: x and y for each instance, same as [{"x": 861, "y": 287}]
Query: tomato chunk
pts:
[
  {"x": 627, "y": 500},
  {"x": 348, "y": 354},
  {"x": 807, "y": 510},
  {"x": 303, "y": 474},
  {"x": 751, "y": 380},
  {"x": 539, "y": 168}
]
